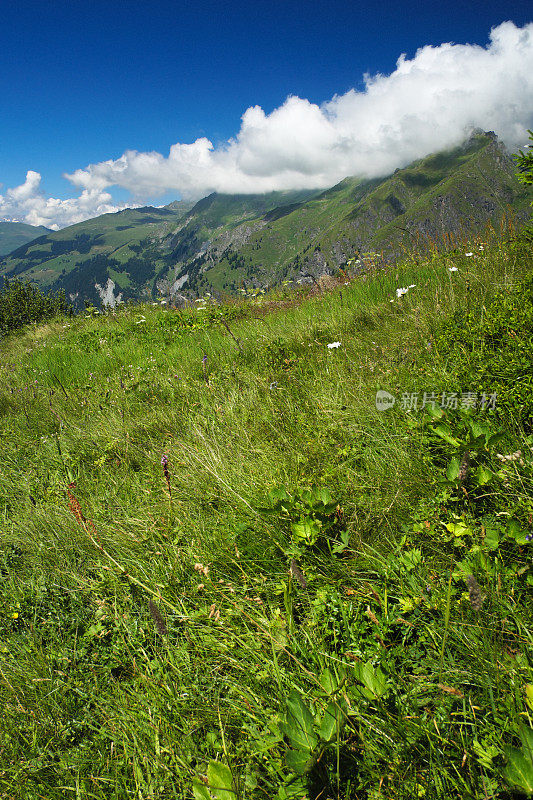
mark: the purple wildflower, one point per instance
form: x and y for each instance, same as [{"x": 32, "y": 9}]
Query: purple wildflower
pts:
[{"x": 164, "y": 464}]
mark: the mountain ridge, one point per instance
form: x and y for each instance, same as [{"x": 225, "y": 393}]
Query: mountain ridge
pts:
[
  {"x": 16, "y": 234},
  {"x": 223, "y": 242}
]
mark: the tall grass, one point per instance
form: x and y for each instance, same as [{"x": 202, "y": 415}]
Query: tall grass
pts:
[{"x": 156, "y": 643}]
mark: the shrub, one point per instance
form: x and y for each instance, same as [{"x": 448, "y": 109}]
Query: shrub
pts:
[{"x": 21, "y": 303}]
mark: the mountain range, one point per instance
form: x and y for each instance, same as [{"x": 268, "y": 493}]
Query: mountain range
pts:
[
  {"x": 224, "y": 242},
  {"x": 16, "y": 234}
]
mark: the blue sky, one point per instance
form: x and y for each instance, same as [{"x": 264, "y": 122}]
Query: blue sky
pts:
[{"x": 83, "y": 82}]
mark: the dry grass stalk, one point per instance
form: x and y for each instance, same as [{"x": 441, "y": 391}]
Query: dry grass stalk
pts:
[
  {"x": 297, "y": 573},
  {"x": 464, "y": 467},
  {"x": 157, "y": 618},
  {"x": 75, "y": 508}
]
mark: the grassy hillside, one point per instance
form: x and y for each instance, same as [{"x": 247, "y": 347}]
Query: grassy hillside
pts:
[
  {"x": 227, "y": 572},
  {"x": 90, "y": 252},
  {"x": 16, "y": 234}
]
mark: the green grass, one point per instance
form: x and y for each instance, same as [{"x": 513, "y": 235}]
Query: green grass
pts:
[{"x": 154, "y": 643}]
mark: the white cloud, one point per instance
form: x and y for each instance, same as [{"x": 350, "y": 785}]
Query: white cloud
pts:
[
  {"x": 27, "y": 203},
  {"x": 429, "y": 102}
]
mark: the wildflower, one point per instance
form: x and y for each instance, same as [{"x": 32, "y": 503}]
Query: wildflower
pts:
[
  {"x": 164, "y": 464},
  {"x": 200, "y": 568},
  {"x": 468, "y": 254},
  {"x": 404, "y": 289},
  {"x": 273, "y": 385},
  {"x": 452, "y": 269},
  {"x": 333, "y": 345},
  {"x": 529, "y": 537}
]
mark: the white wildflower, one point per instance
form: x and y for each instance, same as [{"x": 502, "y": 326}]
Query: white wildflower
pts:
[
  {"x": 333, "y": 345},
  {"x": 452, "y": 269},
  {"x": 468, "y": 254}
]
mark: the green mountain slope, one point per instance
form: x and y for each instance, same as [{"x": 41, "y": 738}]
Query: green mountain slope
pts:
[
  {"x": 126, "y": 254},
  {"x": 227, "y": 241},
  {"x": 16, "y": 234},
  {"x": 92, "y": 252},
  {"x": 448, "y": 193}
]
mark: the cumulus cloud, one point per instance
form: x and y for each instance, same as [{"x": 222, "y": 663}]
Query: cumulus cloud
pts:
[
  {"x": 427, "y": 103},
  {"x": 28, "y": 203}
]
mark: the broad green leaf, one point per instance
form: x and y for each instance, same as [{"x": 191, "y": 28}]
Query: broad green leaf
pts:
[
  {"x": 513, "y": 529},
  {"x": 296, "y": 789},
  {"x": 483, "y": 475},
  {"x": 478, "y": 430},
  {"x": 459, "y": 529},
  {"x": 279, "y": 495},
  {"x": 299, "y": 725},
  {"x": 529, "y": 695},
  {"x": 445, "y": 433},
  {"x": 307, "y": 530},
  {"x": 411, "y": 558},
  {"x": 328, "y": 681},
  {"x": 454, "y": 467},
  {"x": 372, "y": 678},
  {"x": 300, "y": 761},
  {"x": 519, "y": 770},
  {"x": 328, "y": 726},
  {"x": 220, "y": 781},
  {"x": 526, "y": 735},
  {"x": 495, "y": 439},
  {"x": 492, "y": 538},
  {"x": 324, "y": 496},
  {"x": 200, "y": 791}
]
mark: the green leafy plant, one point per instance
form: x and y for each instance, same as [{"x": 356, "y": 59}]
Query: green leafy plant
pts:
[
  {"x": 519, "y": 769},
  {"x": 308, "y": 512},
  {"x": 219, "y": 783}
]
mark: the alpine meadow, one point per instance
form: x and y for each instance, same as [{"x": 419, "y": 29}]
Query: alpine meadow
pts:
[{"x": 266, "y": 454}]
